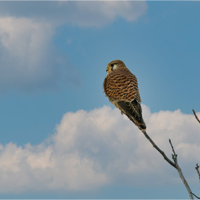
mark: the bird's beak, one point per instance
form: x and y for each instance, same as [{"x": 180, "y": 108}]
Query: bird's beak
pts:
[{"x": 107, "y": 69}]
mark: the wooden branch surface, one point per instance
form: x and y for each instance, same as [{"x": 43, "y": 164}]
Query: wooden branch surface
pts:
[
  {"x": 196, "y": 115},
  {"x": 174, "y": 164},
  {"x": 195, "y": 196},
  {"x": 159, "y": 150},
  {"x": 174, "y": 157}
]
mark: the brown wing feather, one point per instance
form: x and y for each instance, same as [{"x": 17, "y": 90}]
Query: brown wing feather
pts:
[{"x": 133, "y": 111}]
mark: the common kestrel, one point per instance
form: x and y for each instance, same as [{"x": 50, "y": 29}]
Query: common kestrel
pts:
[{"x": 121, "y": 88}]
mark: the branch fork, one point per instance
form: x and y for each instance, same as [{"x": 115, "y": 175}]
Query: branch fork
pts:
[{"x": 174, "y": 163}]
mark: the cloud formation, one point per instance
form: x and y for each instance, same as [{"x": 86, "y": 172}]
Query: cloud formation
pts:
[
  {"x": 29, "y": 59},
  {"x": 78, "y": 13},
  {"x": 24, "y": 58},
  {"x": 99, "y": 148},
  {"x": 100, "y": 13}
]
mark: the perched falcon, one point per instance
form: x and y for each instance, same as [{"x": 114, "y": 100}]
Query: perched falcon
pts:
[{"x": 121, "y": 88}]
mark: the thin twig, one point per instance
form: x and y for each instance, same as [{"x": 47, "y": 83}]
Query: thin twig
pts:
[
  {"x": 174, "y": 157},
  {"x": 195, "y": 195},
  {"x": 159, "y": 150},
  {"x": 174, "y": 153},
  {"x": 197, "y": 169},
  {"x": 196, "y": 116},
  {"x": 174, "y": 164}
]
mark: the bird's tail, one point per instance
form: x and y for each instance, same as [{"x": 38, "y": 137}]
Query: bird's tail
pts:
[
  {"x": 138, "y": 122},
  {"x": 133, "y": 111},
  {"x": 137, "y": 118}
]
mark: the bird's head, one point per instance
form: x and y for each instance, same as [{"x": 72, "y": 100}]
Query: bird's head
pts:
[{"x": 115, "y": 64}]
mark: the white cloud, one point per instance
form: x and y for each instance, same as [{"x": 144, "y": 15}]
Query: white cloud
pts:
[
  {"x": 104, "y": 12},
  {"x": 28, "y": 59},
  {"x": 24, "y": 45},
  {"x": 101, "y": 147},
  {"x": 79, "y": 13}
]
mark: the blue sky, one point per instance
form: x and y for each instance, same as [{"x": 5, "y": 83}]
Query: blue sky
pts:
[{"x": 60, "y": 135}]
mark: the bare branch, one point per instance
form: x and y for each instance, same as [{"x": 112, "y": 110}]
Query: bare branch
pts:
[
  {"x": 174, "y": 153},
  {"x": 174, "y": 157},
  {"x": 159, "y": 150},
  {"x": 174, "y": 164},
  {"x": 197, "y": 168},
  {"x": 196, "y": 116},
  {"x": 195, "y": 195}
]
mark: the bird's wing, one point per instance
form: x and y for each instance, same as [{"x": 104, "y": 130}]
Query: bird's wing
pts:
[
  {"x": 133, "y": 111},
  {"x": 121, "y": 85}
]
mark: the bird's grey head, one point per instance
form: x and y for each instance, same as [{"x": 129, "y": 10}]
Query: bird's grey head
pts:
[{"x": 115, "y": 64}]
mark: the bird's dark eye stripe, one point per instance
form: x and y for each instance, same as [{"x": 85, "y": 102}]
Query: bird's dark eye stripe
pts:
[{"x": 113, "y": 64}]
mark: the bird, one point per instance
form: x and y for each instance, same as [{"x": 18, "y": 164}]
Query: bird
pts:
[{"x": 121, "y": 88}]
